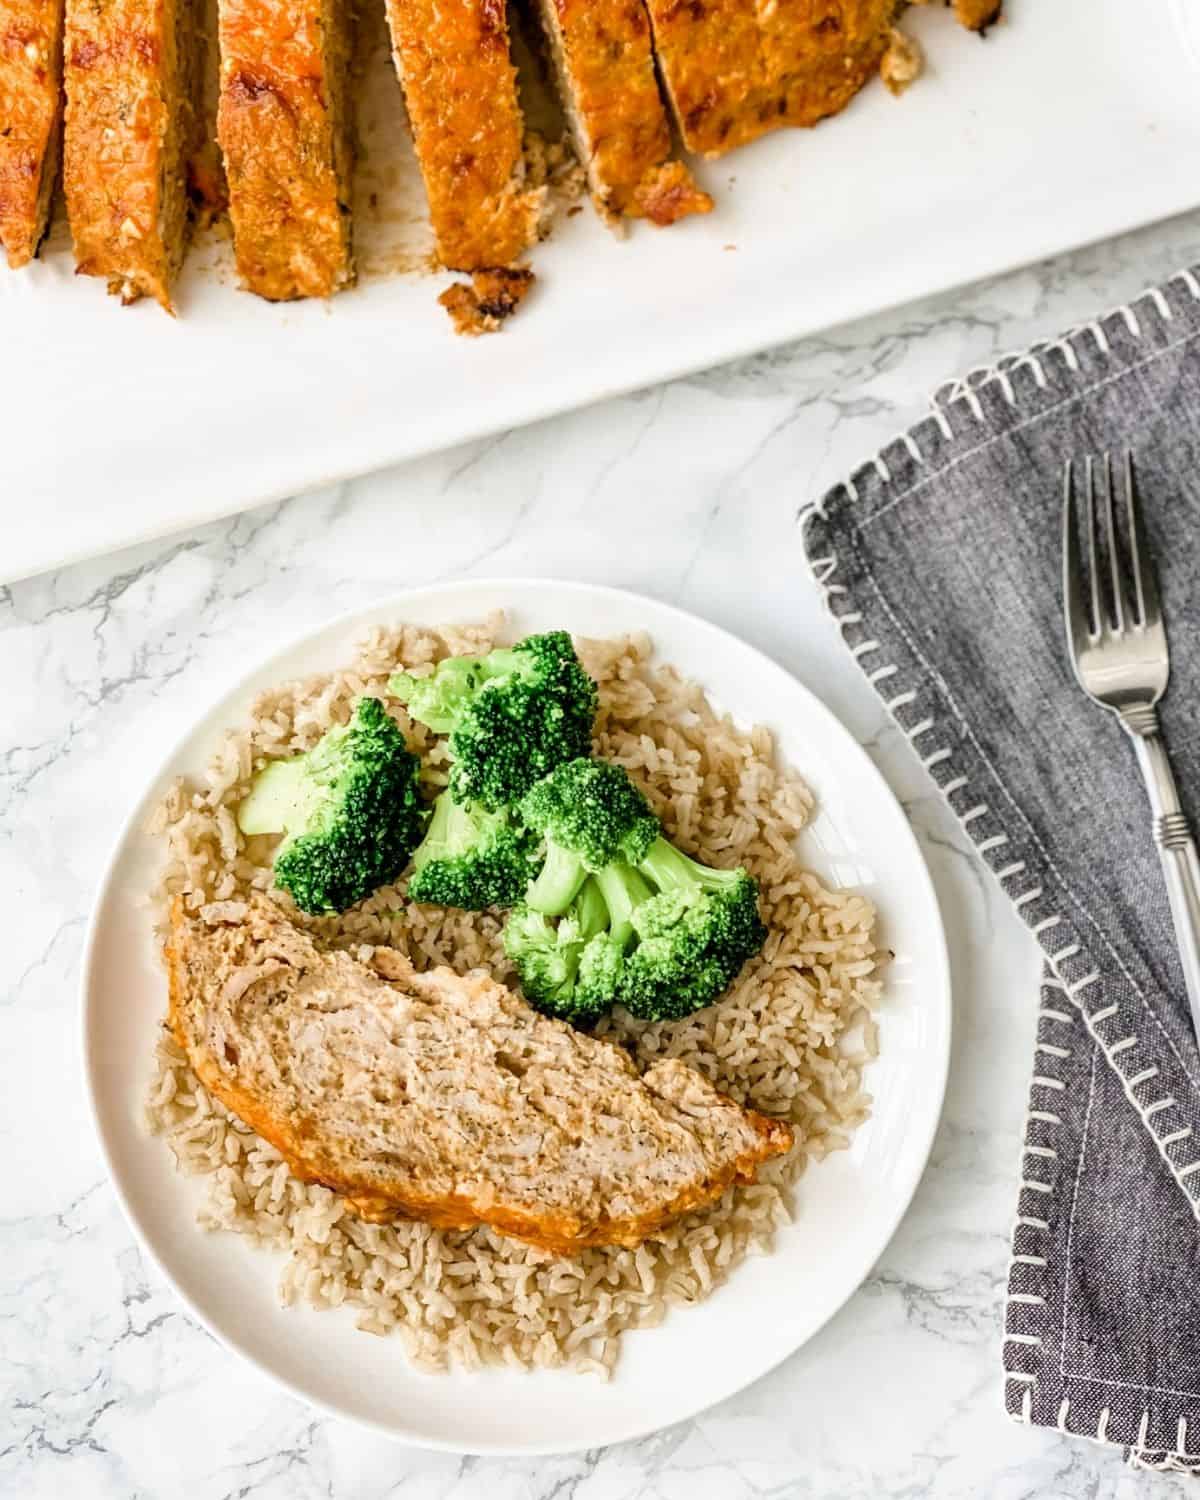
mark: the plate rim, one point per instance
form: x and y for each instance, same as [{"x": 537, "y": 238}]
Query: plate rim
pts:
[{"x": 345, "y": 620}]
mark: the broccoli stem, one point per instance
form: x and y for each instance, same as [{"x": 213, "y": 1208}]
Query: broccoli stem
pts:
[
  {"x": 280, "y": 798},
  {"x": 559, "y": 882},
  {"x": 671, "y": 870},
  {"x": 590, "y": 910},
  {"x": 437, "y": 835},
  {"x": 623, "y": 889}
]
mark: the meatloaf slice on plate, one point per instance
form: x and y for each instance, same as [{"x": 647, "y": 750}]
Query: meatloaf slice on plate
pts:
[
  {"x": 605, "y": 67},
  {"x": 30, "y": 121},
  {"x": 460, "y": 88},
  {"x": 283, "y": 123},
  {"x": 444, "y": 1097},
  {"x": 131, "y": 69}
]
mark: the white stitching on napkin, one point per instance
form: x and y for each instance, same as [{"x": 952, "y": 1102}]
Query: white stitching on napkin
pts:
[
  {"x": 1026, "y": 1287},
  {"x": 1008, "y": 364},
  {"x": 1098, "y": 333}
]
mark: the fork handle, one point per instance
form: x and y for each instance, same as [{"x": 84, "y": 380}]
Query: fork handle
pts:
[{"x": 1176, "y": 845}]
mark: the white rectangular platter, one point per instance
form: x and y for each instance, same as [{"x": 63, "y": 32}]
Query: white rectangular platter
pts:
[{"x": 1071, "y": 121}]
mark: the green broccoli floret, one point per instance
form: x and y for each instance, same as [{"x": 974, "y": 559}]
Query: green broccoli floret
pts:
[
  {"x": 512, "y": 715},
  {"x": 665, "y": 938},
  {"x": 471, "y": 858},
  {"x": 349, "y": 809},
  {"x": 591, "y": 816},
  {"x": 691, "y": 938},
  {"x": 553, "y": 960}
]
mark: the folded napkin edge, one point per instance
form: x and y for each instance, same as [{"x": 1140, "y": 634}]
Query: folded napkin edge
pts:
[
  {"x": 1028, "y": 1292},
  {"x": 991, "y": 397}
]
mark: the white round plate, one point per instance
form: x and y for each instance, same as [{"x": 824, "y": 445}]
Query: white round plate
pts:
[{"x": 846, "y": 1209}]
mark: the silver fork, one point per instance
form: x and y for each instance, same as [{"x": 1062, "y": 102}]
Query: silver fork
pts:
[{"x": 1118, "y": 647}]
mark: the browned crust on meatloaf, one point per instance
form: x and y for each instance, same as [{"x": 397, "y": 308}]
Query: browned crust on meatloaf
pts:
[
  {"x": 312, "y": 1159},
  {"x": 605, "y": 65},
  {"x": 975, "y": 15},
  {"x": 735, "y": 69},
  {"x": 30, "y": 121},
  {"x": 488, "y": 302},
  {"x": 978, "y": 14},
  {"x": 460, "y": 89},
  {"x": 284, "y": 129},
  {"x": 130, "y": 80}
]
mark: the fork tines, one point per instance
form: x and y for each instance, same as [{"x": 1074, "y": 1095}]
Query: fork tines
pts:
[{"x": 1116, "y": 591}]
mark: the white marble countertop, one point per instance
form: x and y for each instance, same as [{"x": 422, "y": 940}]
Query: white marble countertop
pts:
[{"x": 687, "y": 492}]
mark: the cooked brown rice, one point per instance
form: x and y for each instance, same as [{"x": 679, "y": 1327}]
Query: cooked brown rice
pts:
[{"x": 791, "y": 1037}]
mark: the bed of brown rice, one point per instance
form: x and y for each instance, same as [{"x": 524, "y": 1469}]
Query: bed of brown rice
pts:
[{"x": 791, "y": 1037}]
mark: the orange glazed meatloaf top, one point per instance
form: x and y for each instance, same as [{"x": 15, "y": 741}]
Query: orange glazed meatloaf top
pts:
[
  {"x": 30, "y": 121},
  {"x": 736, "y": 69},
  {"x": 282, "y": 126},
  {"x": 460, "y": 89}
]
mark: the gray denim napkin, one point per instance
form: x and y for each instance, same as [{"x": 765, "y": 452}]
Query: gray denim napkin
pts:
[{"x": 940, "y": 560}]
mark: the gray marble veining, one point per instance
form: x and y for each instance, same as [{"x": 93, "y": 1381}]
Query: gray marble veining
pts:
[{"x": 687, "y": 492}]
